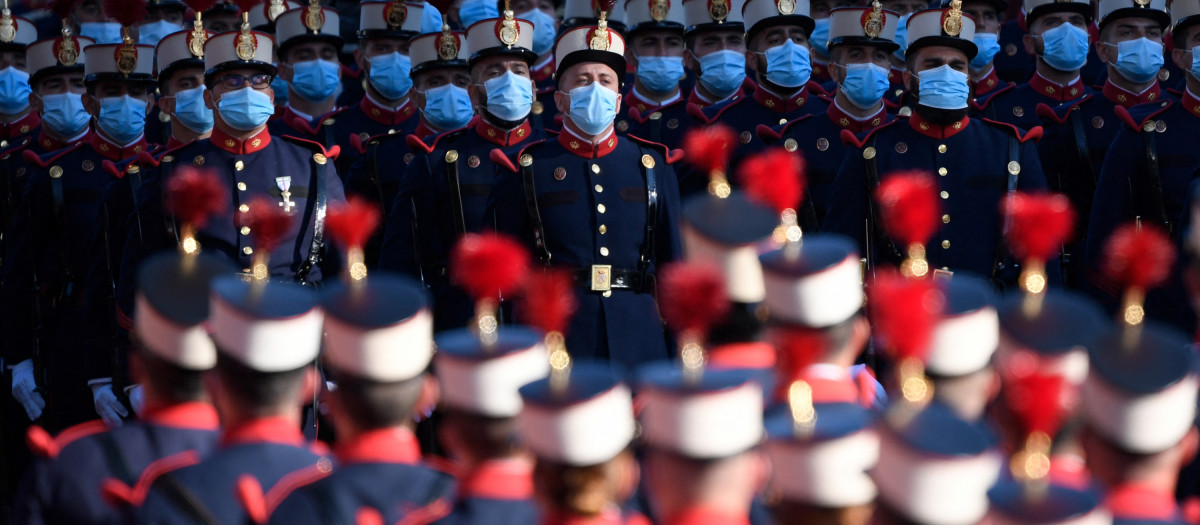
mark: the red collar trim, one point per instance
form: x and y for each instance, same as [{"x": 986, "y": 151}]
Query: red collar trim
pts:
[
  {"x": 707, "y": 516},
  {"x": 608, "y": 517},
  {"x": 115, "y": 152},
  {"x": 1191, "y": 103},
  {"x": 22, "y": 126},
  {"x": 1044, "y": 87},
  {"x": 988, "y": 83},
  {"x": 930, "y": 129},
  {"x": 385, "y": 115},
  {"x": 48, "y": 143},
  {"x": 695, "y": 98},
  {"x": 238, "y": 146},
  {"x": 423, "y": 131},
  {"x": 388, "y": 445},
  {"x": 779, "y": 104},
  {"x": 1129, "y": 99},
  {"x": 499, "y": 479},
  {"x": 741, "y": 356},
  {"x": 634, "y": 100},
  {"x": 280, "y": 430},
  {"x": 1132, "y": 501},
  {"x": 845, "y": 121},
  {"x": 585, "y": 148},
  {"x": 194, "y": 415},
  {"x": 501, "y": 136},
  {"x": 544, "y": 73}
]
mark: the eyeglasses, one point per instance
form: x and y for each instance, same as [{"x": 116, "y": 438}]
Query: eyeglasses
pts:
[{"x": 258, "y": 81}]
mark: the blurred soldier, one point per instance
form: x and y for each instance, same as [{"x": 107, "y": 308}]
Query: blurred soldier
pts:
[
  {"x": 977, "y": 161},
  {"x": 545, "y": 29},
  {"x": 960, "y": 358},
  {"x": 163, "y": 17},
  {"x": 657, "y": 104},
  {"x": 309, "y": 42},
  {"x": 716, "y": 50},
  {"x": 18, "y": 119},
  {"x": 443, "y": 193},
  {"x": 577, "y": 204},
  {"x": 222, "y": 17},
  {"x": 91, "y": 21},
  {"x": 985, "y": 84}
]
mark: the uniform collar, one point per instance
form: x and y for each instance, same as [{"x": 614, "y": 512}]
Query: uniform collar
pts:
[
  {"x": 1129, "y": 99},
  {"x": 778, "y": 104},
  {"x": 544, "y": 71},
  {"x": 644, "y": 105},
  {"x": 1054, "y": 91},
  {"x": 309, "y": 124},
  {"x": 48, "y": 143},
  {"x": 930, "y": 129},
  {"x": 707, "y": 516},
  {"x": 290, "y": 114},
  {"x": 700, "y": 100},
  {"x": 500, "y": 136},
  {"x": 847, "y": 121},
  {"x": 173, "y": 143},
  {"x": 194, "y": 415},
  {"x": 1133, "y": 501},
  {"x": 423, "y": 130},
  {"x": 385, "y": 115},
  {"x": 387, "y": 445},
  {"x": 1191, "y": 102},
  {"x": 584, "y": 148},
  {"x": 278, "y": 430},
  {"x": 113, "y": 151},
  {"x": 611, "y": 516},
  {"x": 22, "y": 126},
  {"x": 238, "y": 146},
  {"x": 748, "y": 355},
  {"x": 508, "y": 479},
  {"x": 987, "y": 83}
]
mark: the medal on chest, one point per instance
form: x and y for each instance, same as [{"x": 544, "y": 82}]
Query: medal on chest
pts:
[{"x": 285, "y": 186}]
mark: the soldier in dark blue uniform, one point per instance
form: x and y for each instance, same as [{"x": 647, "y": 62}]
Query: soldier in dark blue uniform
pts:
[
  {"x": 860, "y": 44},
  {"x": 545, "y": 26},
  {"x": 985, "y": 83},
  {"x": 576, "y": 202},
  {"x": 18, "y": 118},
  {"x": 977, "y": 161},
  {"x": 49, "y": 257},
  {"x": 716, "y": 51},
  {"x": 309, "y": 42},
  {"x": 443, "y": 193},
  {"x": 656, "y": 99}
]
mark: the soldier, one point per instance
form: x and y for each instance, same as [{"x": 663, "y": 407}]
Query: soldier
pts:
[
  {"x": 91, "y": 21},
  {"x": 173, "y": 350},
  {"x": 860, "y": 44},
  {"x": 985, "y": 83},
  {"x": 443, "y": 193},
  {"x": 959, "y": 364},
  {"x": 222, "y": 17},
  {"x": 657, "y": 108},
  {"x": 977, "y": 160},
  {"x": 17, "y": 116},
  {"x": 308, "y": 60},
  {"x": 163, "y": 17},
  {"x": 577, "y": 204},
  {"x": 716, "y": 50},
  {"x": 545, "y": 28}
]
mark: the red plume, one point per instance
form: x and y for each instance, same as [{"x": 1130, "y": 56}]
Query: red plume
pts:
[
  {"x": 442, "y": 6},
  {"x": 488, "y": 264},
  {"x": 200, "y": 6},
  {"x": 1040, "y": 223},
  {"x": 247, "y": 5},
  {"x": 1139, "y": 257},
  {"x": 691, "y": 297},
  {"x": 63, "y": 8},
  {"x": 795, "y": 349},
  {"x": 1037, "y": 402},
  {"x": 128, "y": 13},
  {"x": 908, "y": 202},
  {"x": 268, "y": 224},
  {"x": 352, "y": 223},
  {"x": 606, "y": 5},
  {"x": 774, "y": 178},
  {"x": 194, "y": 195},
  {"x": 904, "y": 313},
  {"x": 709, "y": 148},
  {"x": 549, "y": 300}
]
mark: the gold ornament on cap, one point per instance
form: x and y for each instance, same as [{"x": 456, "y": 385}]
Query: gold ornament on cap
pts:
[
  {"x": 247, "y": 45},
  {"x": 8, "y": 26},
  {"x": 785, "y": 7},
  {"x": 127, "y": 55},
  {"x": 197, "y": 38},
  {"x": 314, "y": 17},
  {"x": 952, "y": 21},
  {"x": 447, "y": 44},
  {"x": 396, "y": 14},
  {"x": 659, "y": 9},
  {"x": 718, "y": 10},
  {"x": 1142, "y": 3},
  {"x": 509, "y": 31},
  {"x": 68, "y": 50},
  {"x": 599, "y": 40},
  {"x": 804, "y": 414},
  {"x": 873, "y": 23},
  {"x": 275, "y": 8}
]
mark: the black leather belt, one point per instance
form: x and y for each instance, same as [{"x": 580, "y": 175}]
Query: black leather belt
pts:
[{"x": 601, "y": 278}]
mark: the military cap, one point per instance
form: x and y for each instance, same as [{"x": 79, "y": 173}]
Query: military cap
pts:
[
  {"x": 264, "y": 15},
  {"x": 713, "y": 15},
  {"x": 396, "y": 19},
  {"x": 485, "y": 378},
  {"x": 968, "y": 332},
  {"x": 1059, "y": 333},
  {"x": 1109, "y": 10},
  {"x": 758, "y": 15},
  {"x": 501, "y": 36},
  {"x": 166, "y": 4},
  {"x": 379, "y": 331},
  {"x": 578, "y": 13},
  {"x": 641, "y": 15},
  {"x": 873, "y": 26},
  {"x": 436, "y": 50},
  {"x": 180, "y": 49},
  {"x": 51, "y": 56},
  {"x": 590, "y": 44},
  {"x": 16, "y": 32},
  {"x": 311, "y": 23},
  {"x": 999, "y": 5},
  {"x": 1054, "y": 503},
  {"x": 172, "y": 308},
  {"x": 1184, "y": 14},
  {"x": 824, "y": 460},
  {"x": 724, "y": 233},
  {"x": 119, "y": 62},
  {"x": 715, "y": 415},
  {"x": 238, "y": 49},
  {"x": 818, "y": 288},
  {"x": 942, "y": 27},
  {"x": 266, "y": 326},
  {"x": 586, "y": 422},
  {"x": 1036, "y": 8}
]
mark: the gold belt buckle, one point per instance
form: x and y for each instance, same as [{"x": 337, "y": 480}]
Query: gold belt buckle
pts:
[
  {"x": 601, "y": 277},
  {"x": 942, "y": 275}
]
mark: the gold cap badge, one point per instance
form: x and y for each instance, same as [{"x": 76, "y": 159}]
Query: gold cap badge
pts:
[
  {"x": 8, "y": 26},
  {"x": 718, "y": 10},
  {"x": 952, "y": 19},
  {"x": 872, "y": 22},
  {"x": 508, "y": 31},
  {"x": 246, "y": 45},
  {"x": 395, "y": 15},
  {"x": 314, "y": 17},
  {"x": 785, "y": 7},
  {"x": 447, "y": 44},
  {"x": 659, "y": 9}
]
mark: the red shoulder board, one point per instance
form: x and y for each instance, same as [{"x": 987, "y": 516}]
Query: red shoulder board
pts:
[
  {"x": 1138, "y": 121},
  {"x": 40, "y": 442},
  {"x": 416, "y": 144},
  {"x": 766, "y": 134},
  {"x": 427, "y": 514},
  {"x": 1059, "y": 113},
  {"x": 1034, "y": 133},
  {"x": 356, "y": 142},
  {"x": 368, "y": 516},
  {"x": 116, "y": 493},
  {"x": 817, "y": 89},
  {"x": 671, "y": 156},
  {"x": 849, "y": 139},
  {"x": 156, "y": 159},
  {"x": 155, "y": 470},
  {"x": 331, "y": 153},
  {"x": 112, "y": 169},
  {"x": 45, "y": 161},
  {"x": 498, "y": 156},
  {"x": 697, "y": 113},
  {"x": 250, "y": 495}
]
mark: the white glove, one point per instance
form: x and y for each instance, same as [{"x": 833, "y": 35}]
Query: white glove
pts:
[
  {"x": 108, "y": 406},
  {"x": 136, "y": 399},
  {"x": 24, "y": 390}
]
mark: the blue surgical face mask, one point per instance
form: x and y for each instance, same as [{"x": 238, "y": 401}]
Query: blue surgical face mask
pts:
[
  {"x": 388, "y": 74},
  {"x": 473, "y": 11},
  {"x": 448, "y": 107},
  {"x": 315, "y": 80},
  {"x": 14, "y": 90},
  {"x": 1065, "y": 47},
  {"x": 245, "y": 109},
  {"x": 660, "y": 74},
  {"x": 191, "y": 111},
  {"x": 943, "y": 88},
  {"x": 64, "y": 114},
  {"x": 509, "y": 96},
  {"x": 989, "y": 45},
  {"x": 152, "y": 33},
  {"x": 864, "y": 85},
  {"x": 280, "y": 87},
  {"x": 543, "y": 30},
  {"x": 593, "y": 108},
  {"x": 431, "y": 19},
  {"x": 788, "y": 65},
  {"x": 1195, "y": 71},
  {"x": 101, "y": 32},
  {"x": 902, "y": 36},
  {"x": 122, "y": 118},
  {"x": 722, "y": 72},
  {"x": 820, "y": 37},
  {"x": 1139, "y": 60}
]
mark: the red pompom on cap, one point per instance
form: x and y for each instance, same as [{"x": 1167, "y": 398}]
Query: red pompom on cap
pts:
[
  {"x": 774, "y": 178},
  {"x": 548, "y": 300},
  {"x": 1036, "y": 400},
  {"x": 128, "y": 13},
  {"x": 268, "y": 224},
  {"x": 1038, "y": 224},
  {"x": 200, "y": 6},
  {"x": 692, "y": 297},
  {"x": 488, "y": 265},
  {"x": 1139, "y": 256},
  {"x": 709, "y": 148},
  {"x": 904, "y": 313},
  {"x": 908, "y": 202},
  {"x": 351, "y": 224},
  {"x": 195, "y": 194}
]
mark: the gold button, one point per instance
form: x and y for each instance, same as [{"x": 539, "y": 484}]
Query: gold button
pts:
[
  {"x": 244, "y": 208},
  {"x": 607, "y": 293},
  {"x": 941, "y": 148},
  {"x": 239, "y": 165},
  {"x": 247, "y": 250},
  {"x": 946, "y": 244},
  {"x": 942, "y": 171},
  {"x": 241, "y": 186},
  {"x": 945, "y": 195},
  {"x": 603, "y": 229},
  {"x": 600, "y": 208},
  {"x": 946, "y": 219},
  {"x": 599, "y": 189},
  {"x": 245, "y": 230},
  {"x": 596, "y": 169},
  {"x": 604, "y": 251}
]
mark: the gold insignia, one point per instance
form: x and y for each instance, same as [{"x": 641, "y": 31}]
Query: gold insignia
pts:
[
  {"x": 198, "y": 161},
  {"x": 952, "y": 20},
  {"x": 718, "y": 10},
  {"x": 598, "y": 39},
  {"x": 254, "y": 143},
  {"x": 843, "y": 122},
  {"x": 574, "y": 144},
  {"x": 8, "y": 26},
  {"x": 869, "y": 153},
  {"x": 1152, "y": 96},
  {"x": 1074, "y": 91},
  {"x": 1121, "y": 98},
  {"x": 901, "y": 148},
  {"x": 276, "y": 8},
  {"x": 451, "y": 156},
  {"x": 56, "y": 172},
  {"x": 24, "y": 129},
  {"x": 647, "y": 161},
  {"x": 197, "y": 38},
  {"x": 822, "y": 144},
  {"x": 127, "y": 57},
  {"x": 924, "y": 126},
  {"x": 872, "y": 22},
  {"x": 560, "y": 173},
  {"x": 509, "y": 30},
  {"x": 520, "y": 132},
  {"x": 247, "y": 45},
  {"x": 957, "y": 125},
  {"x": 790, "y": 145},
  {"x": 770, "y": 104},
  {"x": 875, "y": 121},
  {"x": 473, "y": 161},
  {"x": 447, "y": 45},
  {"x": 491, "y": 132},
  {"x": 526, "y": 160},
  {"x": 395, "y": 14},
  {"x": 1014, "y": 167},
  {"x": 314, "y": 17},
  {"x": 659, "y": 9},
  {"x": 785, "y": 7},
  {"x": 319, "y": 158}
]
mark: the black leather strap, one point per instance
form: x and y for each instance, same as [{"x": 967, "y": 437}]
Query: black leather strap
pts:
[
  {"x": 318, "y": 224},
  {"x": 67, "y": 288},
  {"x": 1152, "y": 200},
  {"x": 875, "y": 229},
  {"x": 1081, "y": 148},
  {"x": 1014, "y": 177},
  {"x": 456, "y": 204},
  {"x": 535, "y": 216},
  {"x": 651, "y": 176},
  {"x": 186, "y": 500},
  {"x": 656, "y": 128}
]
